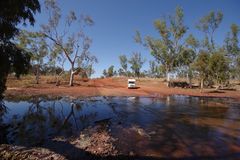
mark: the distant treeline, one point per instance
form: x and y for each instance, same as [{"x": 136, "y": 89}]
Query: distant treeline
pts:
[{"x": 176, "y": 51}]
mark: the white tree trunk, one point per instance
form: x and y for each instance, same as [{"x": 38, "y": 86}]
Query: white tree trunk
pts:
[
  {"x": 189, "y": 78},
  {"x": 202, "y": 83},
  {"x": 168, "y": 78},
  {"x": 71, "y": 78},
  {"x": 71, "y": 75}
]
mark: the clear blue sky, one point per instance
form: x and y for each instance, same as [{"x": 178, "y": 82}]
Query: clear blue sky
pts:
[{"x": 117, "y": 20}]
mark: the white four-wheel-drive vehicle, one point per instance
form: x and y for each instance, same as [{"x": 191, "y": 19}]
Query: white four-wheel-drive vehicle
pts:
[{"x": 131, "y": 83}]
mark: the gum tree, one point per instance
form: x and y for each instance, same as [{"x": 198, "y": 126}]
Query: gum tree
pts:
[
  {"x": 233, "y": 49},
  {"x": 209, "y": 24},
  {"x": 72, "y": 41},
  {"x": 167, "y": 48},
  {"x": 123, "y": 62},
  {"x": 219, "y": 67},
  {"x": 36, "y": 45},
  {"x": 188, "y": 55},
  {"x": 153, "y": 69},
  {"x": 185, "y": 60},
  {"x": 136, "y": 62},
  {"x": 201, "y": 65},
  {"x": 110, "y": 71}
]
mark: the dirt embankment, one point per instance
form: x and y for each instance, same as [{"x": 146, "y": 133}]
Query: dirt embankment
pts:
[
  {"x": 92, "y": 143},
  {"x": 112, "y": 87}
]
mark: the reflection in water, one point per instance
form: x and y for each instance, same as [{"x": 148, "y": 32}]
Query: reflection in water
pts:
[
  {"x": 177, "y": 126},
  {"x": 3, "y": 127}
]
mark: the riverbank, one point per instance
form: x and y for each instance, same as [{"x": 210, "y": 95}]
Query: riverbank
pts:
[{"x": 110, "y": 87}]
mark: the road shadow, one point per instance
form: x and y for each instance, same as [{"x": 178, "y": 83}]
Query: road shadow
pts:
[{"x": 133, "y": 88}]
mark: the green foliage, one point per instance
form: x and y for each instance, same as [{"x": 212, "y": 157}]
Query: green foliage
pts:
[
  {"x": 219, "y": 67},
  {"x": 123, "y": 62},
  {"x": 231, "y": 41},
  {"x": 154, "y": 69},
  {"x": 136, "y": 62},
  {"x": 192, "y": 42},
  {"x": 34, "y": 43},
  {"x": 89, "y": 70},
  {"x": 105, "y": 74},
  {"x": 212, "y": 66},
  {"x": 13, "y": 13},
  {"x": 208, "y": 24},
  {"x": 186, "y": 57},
  {"x": 166, "y": 49},
  {"x": 201, "y": 65},
  {"x": 71, "y": 41},
  {"x": 237, "y": 69},
  {"x": 110, "y": 71},
  {"x": 121, "y": 72},
  {"x": 233, "y": 50},
  {"x": 138, "y": 38}
]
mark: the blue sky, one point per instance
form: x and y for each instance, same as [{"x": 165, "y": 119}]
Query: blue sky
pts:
[{"x": 117, "y": 20}]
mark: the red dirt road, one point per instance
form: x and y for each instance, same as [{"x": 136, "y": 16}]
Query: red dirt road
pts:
[{"x": 114, "y": 87}]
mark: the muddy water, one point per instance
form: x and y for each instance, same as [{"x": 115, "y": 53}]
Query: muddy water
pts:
[{"x": 175, "y": 126}]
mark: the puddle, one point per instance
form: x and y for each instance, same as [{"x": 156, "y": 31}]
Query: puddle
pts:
[{"x": 171, "y": 127}]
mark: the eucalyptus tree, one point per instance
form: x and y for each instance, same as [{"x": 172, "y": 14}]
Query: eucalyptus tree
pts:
[
  {"x": 123, "y": 61},
  {"x": 110, "y": 71},
  {"x": 192, "y": 43},
  {"x": 105, "y": 74},
  {"x": 89, "y": 70},
  {"x": 37, "y": 46},
  {"x": 237, "y": 71},
  {"x": 213, "y": 66},
  {"x": 71, "y": 40},
  {"x": 136, "y": 62},
  {"x": 60, "y": 60},
  {"x": 185, "y": 59},
  {"x": 233, "y": 49},
  {"x": 219, "y": 67},
  {"x": 188, "y": 55},
  {"x": 153, "y": 69},
  {"x": 209, "y": 24},
  {"x": 201, "y": 65},
  {"x": 167, "y": 48}
]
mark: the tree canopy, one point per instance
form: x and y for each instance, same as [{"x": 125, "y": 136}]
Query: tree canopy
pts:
[{"x": 13, "y": 13}]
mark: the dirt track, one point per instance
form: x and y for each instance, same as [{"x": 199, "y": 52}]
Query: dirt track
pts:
[{"x": 114, "y": 87}]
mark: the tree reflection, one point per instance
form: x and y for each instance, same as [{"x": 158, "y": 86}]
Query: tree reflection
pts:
[
  {"x": 31, "y": 128},
  {"x": 3, "y": 127},
  {"x": 44, "y": 120}
]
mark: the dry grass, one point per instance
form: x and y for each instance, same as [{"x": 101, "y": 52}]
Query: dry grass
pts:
[{"x": 27, "y": 81}]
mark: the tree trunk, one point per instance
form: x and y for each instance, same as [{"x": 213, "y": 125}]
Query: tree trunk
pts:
[
  {"x": 71, "y": 78},
  {"x": 71, "y": 75},
  {"x": 202, "y": 81},
  {"x": 37, "y": 75},
  {"x": 189, "y": 78},
  {"x": 190, "y": 82},
  {"x": 168, "y": 78},
  {"x": 58, "y": 78}
]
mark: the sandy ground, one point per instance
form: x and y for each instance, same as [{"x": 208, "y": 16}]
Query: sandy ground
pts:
[{"x": 115, "y": 87}]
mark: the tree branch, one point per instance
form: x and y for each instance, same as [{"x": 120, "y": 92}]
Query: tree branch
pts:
[{"x": 64, "y": 50}]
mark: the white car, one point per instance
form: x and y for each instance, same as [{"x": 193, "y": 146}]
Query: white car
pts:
[{"x": 131, "y": 83}]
